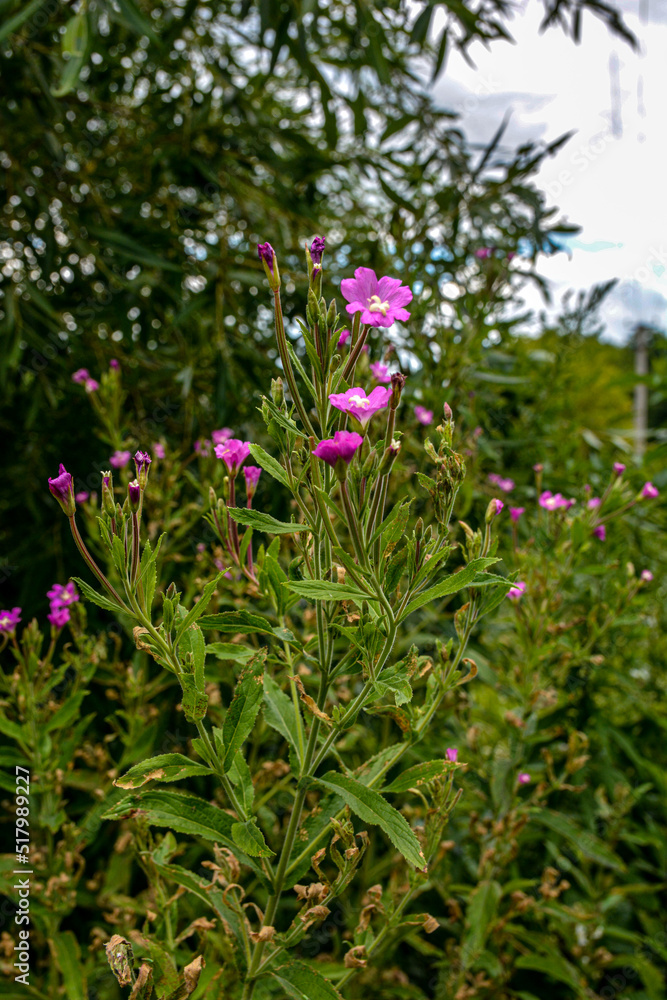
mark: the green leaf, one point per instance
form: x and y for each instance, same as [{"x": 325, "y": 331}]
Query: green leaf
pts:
[
  {"x": 11, "y": 729},
  {"x": 68, "y": 959},
  {"x": 244, "y": 622},
  {"x": 241, "y": 778},
  {"x": 318, "y": 590},
  {"x": 269, "y": 464},
  {"x": 230, "y": 651},
  {"x": 241, "y": 714},
  {"x": 264, "y": 522},
  {"x": 250, "y": 839},
  {"x": 67, "y": 712},
  {"x": 164, "y": 767},
  {"x": 199, "y": 608},
  {"x": 94, "y": 597},
  {"x": 183, "y": 813},
  {"x": 279, "y": 714},
  {"x": 204, "y": 889},
  {"x": 195, "y": 699},
  {"x": 451, "y": 585},
  {"x": 298, "y": 980},
  {"x": 11, "y": 25},
  {"x": 420, "y": 774},
  {"x": 552, "y": 965},
  {"x": 586, "y": 843},
  {"x": 75, "y": 39},
  {"x": 482, "y": 910},
  {"x": 369, "y": 806}
]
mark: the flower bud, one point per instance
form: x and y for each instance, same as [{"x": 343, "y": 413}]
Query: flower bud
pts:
[
  {"x": 270, "y": 262},
  {"x": 108, "y": 504},
  {"x": 331, "y": 314},
  {"x": 370, "y": 464},
  {"x": 397, "y": 385},
  {"x": 447, "y": 410},
  {"x": 62, "y": 488},
  {"x": 335, "y": 363},
  {"x": 313, "y": 307},
  {"x": 494, "y": 508},
  {"x": 171, "y": 592},
  {"x": 419, "y": 529},
  {"x": 212, "y": 498},
  {"x": 277, "y": 391},
  {"x": 134, "y": 495},
  {"x": 389, "y": 457},
  {"x": 142, "y": 460}
]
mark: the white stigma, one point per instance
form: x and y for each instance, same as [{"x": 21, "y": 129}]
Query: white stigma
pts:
[
  {"x": 376, "y": 305},
  {"x": 360, "y": 401}
]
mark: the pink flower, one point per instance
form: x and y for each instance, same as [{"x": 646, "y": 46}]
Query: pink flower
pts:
[
  {"x": 511, "y": 255},
  {"x": 9, "y": 619},
  {"x": 114, "y": 363},
  {"x": 451, "y": 753},
  {"x": 58, "y": 616},
  {"x": 380, "y": 372},
  {"x": 358, "y": 404},
  {"x": 251, "y": 474},
  {"x": 342, "y": 445},
  {"x": 158, "y": 450},
  {"x": 649, "y": 491},
  {"x": 495, "y": 507},
  {"x": 343, "y": 339},
  {"x": 233, "y": 452},
  {"x": 538, "y": 468},
  {"x": 524, "y": 778},
  {"x": 203, "y": 447},
  {"x": 423, "y": 415},
  {"x": 60, "y": 596},
  {"x": 317, "y": 249},
  {"x": 554, "y": 501},
  {"x": 646, "y": 575},
  {"x": 62, "y": 488},
  {"x": 80, "y": 376},
  {"x": 91, "y": 385},
  {"x": 619, "y": 468},
  {"x": 517, "y": 590},
  {"x": 380, "y": 302},
  {"x": 516, "y": 512},
  {"x": 600, "y": 532},
  {"x": 81, "y": 497},
  {"x": 506, "y": 485},
  {"x": 594, "y": 503},
  {"x": 120, "y": 459},
  {"x": 224, "y": 434},
  {"x": 483, "y": 253}
]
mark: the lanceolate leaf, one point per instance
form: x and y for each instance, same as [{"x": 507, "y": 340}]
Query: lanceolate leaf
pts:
[
  {"x": 243, "y": 710},
  {"x": 92, "y": 595},
  {"x": 250, "y": 839},
  {"x": 264, "y": 522},
  {"x": 298, "y": 980},
  {"x": 269, "y": 464},
  {"x": 279, "y": 713},
  {"x": 319, "y": 590},
  {"x": 183, "y": 813},
  {"x": 451, "y": 585},
  {"x": 482, "y": 911},
  {"x": 237, "y": 621},
  {"x": 165, "y": 767},
  {"x": 586, "y": 843},
  {"x": 420, "y": 774},
  {"x": 369, "y": 806},
  {"x": 200, "y": 607}
]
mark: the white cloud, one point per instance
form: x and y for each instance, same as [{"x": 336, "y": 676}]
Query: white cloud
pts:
[{"x": 612, "y": 185}]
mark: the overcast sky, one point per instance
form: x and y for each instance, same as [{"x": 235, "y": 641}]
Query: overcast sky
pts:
[{"x": 611, "y": 176}]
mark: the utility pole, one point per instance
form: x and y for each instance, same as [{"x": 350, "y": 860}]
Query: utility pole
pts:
[{"x": 641, "y": 341}]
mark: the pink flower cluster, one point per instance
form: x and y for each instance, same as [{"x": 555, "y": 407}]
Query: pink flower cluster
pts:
[
  {"x": 82, "y": 377},
  {"x": 506, "y": 485},
  {"x": 233, "y": 452},
  {"x": 554, "y": 501},
  {"x": 9, "y": 620},
  {"x": 61, "y": 598}
]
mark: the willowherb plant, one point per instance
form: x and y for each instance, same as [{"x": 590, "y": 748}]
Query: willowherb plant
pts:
[{"x": 313, "y": 674}]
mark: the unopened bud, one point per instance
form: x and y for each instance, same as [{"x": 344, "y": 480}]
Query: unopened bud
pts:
[
  {"x": 389, "y": 457},
  {"x": 108, "y": 504},
  {"x": 212, "y": 498},
  {"x": 331, "y": 314},
  {"x": 370, "y": 464},
  {"x": 419, "y": 529},
  {"x": 494, "y": 508},
  {"x": 270, "y": 262},
  {"x": 313, "y": 306},
  {"x": 277, "y": 391},
  {"x": 447, "y": 410},
  {"x": 134, "y": 495},
  {"x": 398, "y": 381},
  {"x": 335, "y": 363},
  {"x": 142, "y": 461}
]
